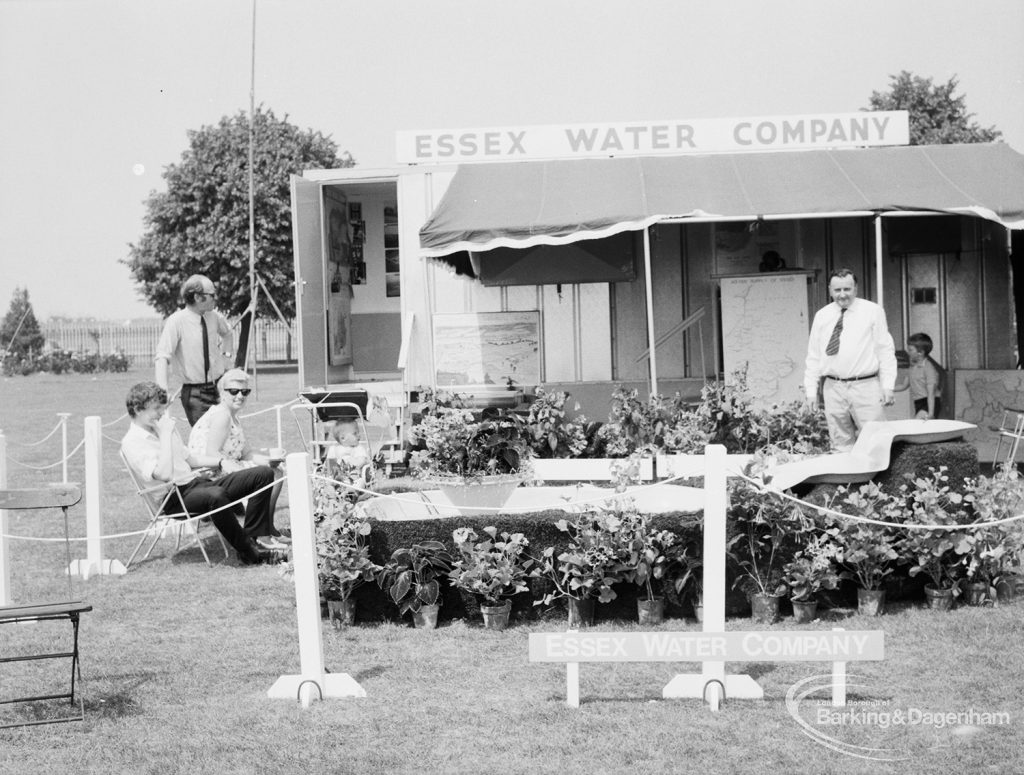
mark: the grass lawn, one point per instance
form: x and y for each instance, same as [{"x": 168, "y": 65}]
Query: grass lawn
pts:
[{"x": 177, "y": 658}]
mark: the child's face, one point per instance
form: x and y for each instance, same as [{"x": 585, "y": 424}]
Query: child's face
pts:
[
  {"x": 915, "y": 355},
  {"x": 346, "y": 434}
]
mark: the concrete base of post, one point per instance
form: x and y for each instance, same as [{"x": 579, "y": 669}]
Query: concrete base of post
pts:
[
  {"x": 690, "y": 685},
  {"x": 85, "y": 568},
  {"x": 305, "y": 689}
]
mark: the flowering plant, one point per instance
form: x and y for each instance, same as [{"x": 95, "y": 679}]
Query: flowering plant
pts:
[
  {"x": 867, "y": 551},
  {"x": 343, "y": 557},
  {"x": 597, "y": 558},
  {"x": 456, "y": 445},
  {"x": 813, "y": 568},
  {"x": 494, "y": 567}
]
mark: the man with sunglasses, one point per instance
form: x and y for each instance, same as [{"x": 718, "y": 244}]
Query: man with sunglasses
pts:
[
  {"x": 196, "y": 342},
  {"x": 154, "y": 450}
]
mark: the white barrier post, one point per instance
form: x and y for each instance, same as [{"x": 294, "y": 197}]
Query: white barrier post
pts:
[
  {"x": 5, "y": 554},
  {"x": 64, "y": 444},
  {"x": 838, "y": 680},
  {"x": 280, "y": 436},
  {"x": 313, "y": 678},
  {"x": 94, "y": 562},
  {"x": 712, "y": 684}
]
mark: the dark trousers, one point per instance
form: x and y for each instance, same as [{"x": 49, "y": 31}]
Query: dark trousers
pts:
[
  {"x": 196, "y": 399},
  {"x": 205, "y": 495}
]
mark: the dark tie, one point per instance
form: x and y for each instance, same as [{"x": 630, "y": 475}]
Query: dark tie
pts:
[
  {"x": 206, "y": 349},
  {"x": 833, "y": 341}
]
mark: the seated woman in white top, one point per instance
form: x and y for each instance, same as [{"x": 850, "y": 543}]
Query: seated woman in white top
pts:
[{"x": 219, "y": 432}]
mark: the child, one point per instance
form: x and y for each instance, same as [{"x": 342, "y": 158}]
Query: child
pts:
[
  {"x": 926, "y": 377},
  {"x": 346, "y": 455}
]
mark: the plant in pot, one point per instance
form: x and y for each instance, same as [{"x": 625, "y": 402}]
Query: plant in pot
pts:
[
  {"x": 344, "y": 563},
  {"x": 866, "y": 551},
  {"x": 411, "y": 578},
  {"x": 588, "y": 568},
  {"x": 812, "y": 569},
  {"x": 648, "y": 560},
  {"x": 476, "y": 463},
  {"x": 552, "y": 434},
  {"x": 686, "y": 569},
  {"x": 993, "y": 551},
  {"x": 934, "y": 552},
  {"x": 493, "y": 568},
  {"x": 766, "y": 530}
]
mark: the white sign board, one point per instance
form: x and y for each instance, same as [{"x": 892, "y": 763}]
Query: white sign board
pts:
[
  {"x": 646, "y": 138},
  {"x": 759, "y": 646},
  {"x": 764, "y": 330}
]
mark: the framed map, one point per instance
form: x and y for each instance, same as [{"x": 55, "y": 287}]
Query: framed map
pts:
[{"x": 487, "y": 348}]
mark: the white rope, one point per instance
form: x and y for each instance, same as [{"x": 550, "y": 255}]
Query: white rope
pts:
[
  {"x": 268, "y": 409},
  {"x": 51, "y": 465},
  {"x": 115, "y": 422},
  {"x": 148, "y": 529},
  {"x": 37, "y": 443},
  {"x": 881, "y": 523}
]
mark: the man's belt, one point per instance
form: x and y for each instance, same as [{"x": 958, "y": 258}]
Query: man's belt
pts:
[
  {"x": 200, "y": 384},
  {"x": 851, "y": 379}
]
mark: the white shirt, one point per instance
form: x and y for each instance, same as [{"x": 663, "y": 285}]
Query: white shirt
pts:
[
  {"x": 141, "y": 449},
  {"x": 865, "y": 346},
  {"x": 181, "y": 344}
]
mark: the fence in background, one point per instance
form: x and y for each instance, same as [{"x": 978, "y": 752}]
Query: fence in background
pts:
[{"x": 137, "y": 338}]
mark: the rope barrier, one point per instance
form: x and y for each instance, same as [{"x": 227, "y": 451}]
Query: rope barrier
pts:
[
  {"x": 50, "y": 465},
  {"x": 880, "y": 522},
  {"x": 47, "y": 436},
  {"x": 149, "y": 528},
  {"x": 114, "y": 422},
  {"x": 273, "y": 408}
]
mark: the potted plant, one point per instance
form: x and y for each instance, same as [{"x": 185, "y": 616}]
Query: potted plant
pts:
[
  {"x": 344, "y": 563},
  {"x": 494, "y": 568},
  {"x": 934, "y": 552},
  {"x": 648, "y": 561},
  {"x": 687, "y": 571},
  {"x": 475, "y": 463},
  {"x": 411, "y": 577},
  {"x": 766, "y": 529},
  {"x": 866, "y": 551},
  {"x": 992, "y": 551},
  {"x": 812, "y": 570},
  {"x": 591, "y": 564}
]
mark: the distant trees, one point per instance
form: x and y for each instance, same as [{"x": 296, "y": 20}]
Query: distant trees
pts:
[
  {"x": 937, "y": 115},
  {"x": 20, "y": 331},
  {"x": 200, "y": 225}
]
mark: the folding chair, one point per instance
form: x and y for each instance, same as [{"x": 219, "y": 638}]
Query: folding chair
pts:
[
  {"x": 158, "y": 499},
  {"x": 59, "y": 496},
  {"x": 1010, "y": 432}
]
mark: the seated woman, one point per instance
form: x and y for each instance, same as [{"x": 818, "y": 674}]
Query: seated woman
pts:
[
  {"x": 156, "y": 453},
  {"x": 218, "y": 433}
]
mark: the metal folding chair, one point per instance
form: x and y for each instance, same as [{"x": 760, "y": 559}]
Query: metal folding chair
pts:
[
  {"x": 1010, "y": 432},
  {"x": 62, "y": 497},
  {"x": 167, "y": 512}
]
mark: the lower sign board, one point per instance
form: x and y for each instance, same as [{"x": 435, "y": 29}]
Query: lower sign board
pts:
[{"x": 767, "y": 646}]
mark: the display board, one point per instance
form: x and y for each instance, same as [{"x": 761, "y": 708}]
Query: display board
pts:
[
  {"x": 487, "y": 349},
  {"x": 982, "y": 397},
  {"x": 764, "y": 329}
]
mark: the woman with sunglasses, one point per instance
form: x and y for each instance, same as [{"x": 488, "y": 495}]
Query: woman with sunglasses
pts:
[{"x": 219, "y": 433}]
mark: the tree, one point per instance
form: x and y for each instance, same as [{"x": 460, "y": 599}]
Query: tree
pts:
[
  {"x": 200, "y": 225},
  {"x": 937, "y": 115},
  {"x": 20, "y": 330}
]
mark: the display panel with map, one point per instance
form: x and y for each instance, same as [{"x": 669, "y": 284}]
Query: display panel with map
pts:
[{"x": 764, "y": 330}]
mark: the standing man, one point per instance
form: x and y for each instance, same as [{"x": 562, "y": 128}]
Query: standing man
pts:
[
  {"x": 198, "y": 340},
  {"x": 851, "y": 348}
]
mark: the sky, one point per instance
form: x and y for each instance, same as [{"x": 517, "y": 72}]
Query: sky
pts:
[{"x": 97, "y": 96}]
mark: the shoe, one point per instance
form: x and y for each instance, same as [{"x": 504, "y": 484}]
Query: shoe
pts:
[
  {"x": 280, "y": 538},
  {"x": 271, "y": 542},
  {"x": 282, "y": 533},
  {"x": 266, "y": 557}
]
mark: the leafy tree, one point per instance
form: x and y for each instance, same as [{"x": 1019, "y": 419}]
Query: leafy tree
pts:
[
  {"x": 201, "y": 223},
  {"x": 20, "y": 330},
  {"x": 937, "y": 115}
]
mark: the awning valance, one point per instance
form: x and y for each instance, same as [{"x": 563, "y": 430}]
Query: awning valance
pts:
[{"x": 559, "y": 202}]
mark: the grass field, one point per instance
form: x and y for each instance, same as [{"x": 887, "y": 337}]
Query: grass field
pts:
[{"x": 177, "y": 658}]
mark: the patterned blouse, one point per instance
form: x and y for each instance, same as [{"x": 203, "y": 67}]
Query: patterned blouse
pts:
[{"x": 234, "y": 445}]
